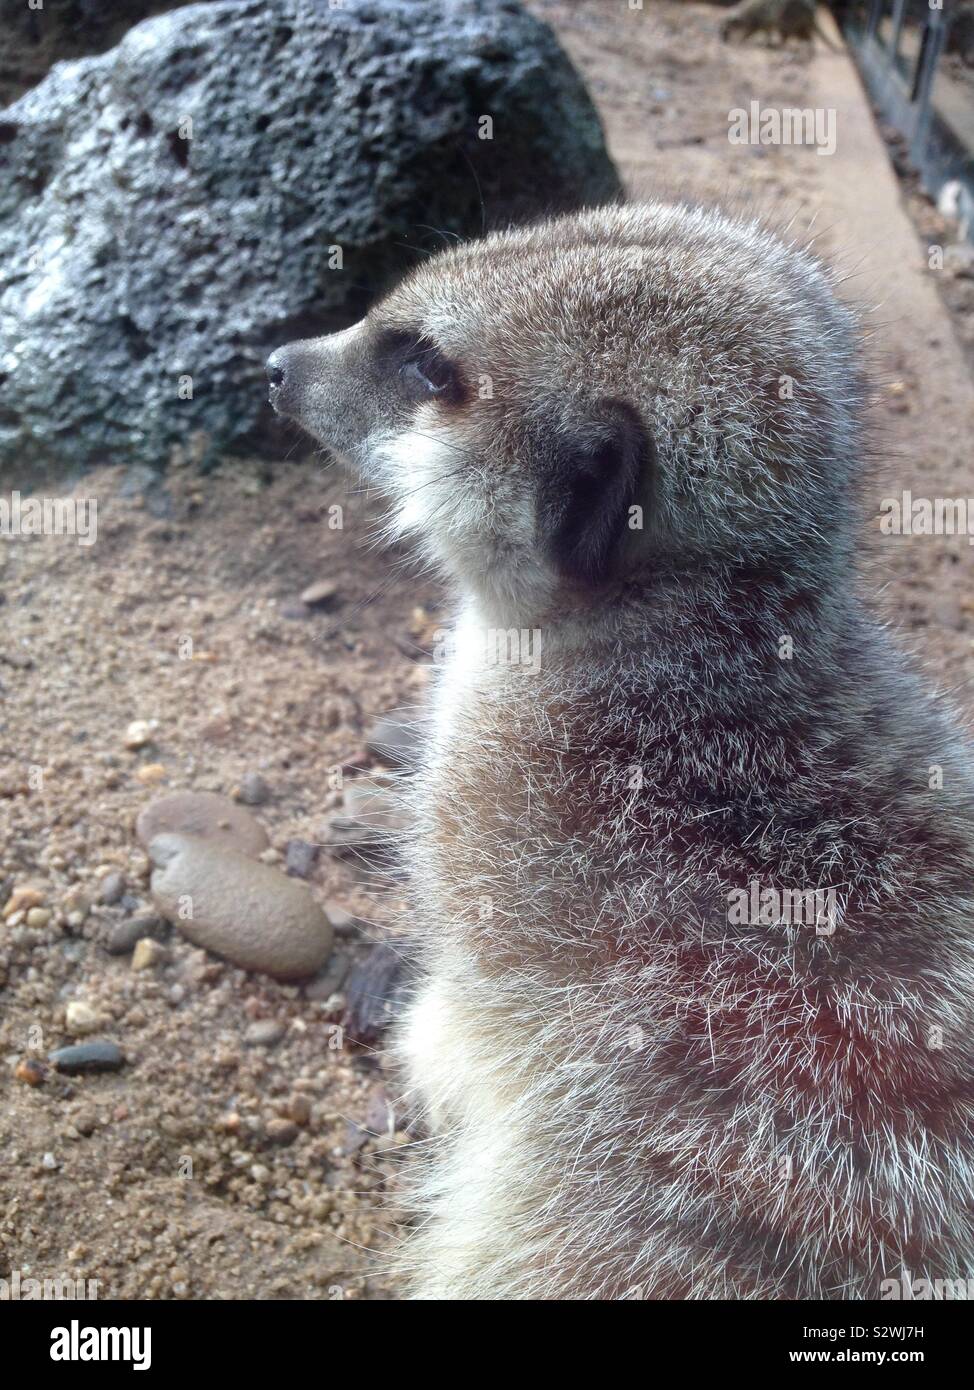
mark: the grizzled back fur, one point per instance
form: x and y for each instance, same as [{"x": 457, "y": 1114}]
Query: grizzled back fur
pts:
[{"x": 633, "y": 1088}]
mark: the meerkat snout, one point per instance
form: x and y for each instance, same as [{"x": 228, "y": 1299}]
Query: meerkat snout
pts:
[{"x": 415, "y": 418}]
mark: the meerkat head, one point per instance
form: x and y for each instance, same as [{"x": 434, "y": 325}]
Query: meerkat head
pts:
[{"x": 603, "y": 397}]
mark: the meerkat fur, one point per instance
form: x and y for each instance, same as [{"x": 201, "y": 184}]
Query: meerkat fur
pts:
[{"x": 638, "y": 433}]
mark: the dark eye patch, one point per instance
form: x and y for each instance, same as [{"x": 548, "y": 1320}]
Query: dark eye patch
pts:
[{"x": 424, "y": 372}]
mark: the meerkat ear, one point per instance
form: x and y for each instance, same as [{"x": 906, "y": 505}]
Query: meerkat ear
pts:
[{"x": 591, "y": 477}]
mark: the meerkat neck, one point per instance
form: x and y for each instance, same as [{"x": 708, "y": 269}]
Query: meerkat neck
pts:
[{"x": 729, "y": 624}]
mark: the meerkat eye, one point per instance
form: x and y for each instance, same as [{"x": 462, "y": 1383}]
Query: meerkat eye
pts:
[
  {"x": 423, "y": 371},
  {"x": 426, "y": 372}
]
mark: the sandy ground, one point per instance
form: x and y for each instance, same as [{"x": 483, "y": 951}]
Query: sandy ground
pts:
[
  {"x": 94, "y": 638},
  {"x": 174, "y": 1177}
]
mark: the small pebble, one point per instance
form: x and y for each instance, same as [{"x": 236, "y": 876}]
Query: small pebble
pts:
[
  {"x": 253, "y": 790},
  {"x": 148, "y": 953},
  {"x": 330, "y": 980},
  {"x": 343, "y": 923},
  {"x": 139, "y": 733},
  {"x": 22, "y": 899},
  {"x": 396, "y": 741},
  {"x": 379, "y": 1115},
  {"x": 76, "y": 908},
  {"x": 81, "y": 1019},
  {"x": 49, "y": 1162},
  {"x": 265, "y": 1032},
  {"x": 217, "y": 730},
  {"x": 123, "y": 937},
  {"x": 299, "y": 858},
  {"x": 320, "y": 595},
  {"x": 299, "y": 1109},
  {"x": 151, "y": 774},
  {"x": 280, "y": 1131},
  {"x": 371, "y": 821},
  {"x": 29, "y": 1071},
  {"x": 38, "y": 917},
  {"x": 110, "y": 889},
  {"x": 99, "y": 1055}
]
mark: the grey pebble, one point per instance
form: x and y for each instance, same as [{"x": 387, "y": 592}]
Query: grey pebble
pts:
[
  {"x": 111, "y": 889},
  {"x": 299, "y": 858},
  {"x": 254, "y": 791},
  {"x": 96, "y": 1055},
  {"x": 320, "y": 595},
  {"x": 121, "y": 941},
  {"x": 239, "y": 908}
]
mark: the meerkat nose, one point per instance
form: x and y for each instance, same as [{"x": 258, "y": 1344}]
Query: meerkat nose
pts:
[{"x": 275, "y": 368}]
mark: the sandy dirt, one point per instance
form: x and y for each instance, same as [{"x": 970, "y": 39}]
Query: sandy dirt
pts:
[
  {"x": 211, "y": 1166},
  {"x": 93, "y": 639}
]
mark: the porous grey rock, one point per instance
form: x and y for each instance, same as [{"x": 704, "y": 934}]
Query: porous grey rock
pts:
[
  {"x": 241, "y": 909},
  {"x": 39, "y": 36},
  {"x": 235, "y": 175}
]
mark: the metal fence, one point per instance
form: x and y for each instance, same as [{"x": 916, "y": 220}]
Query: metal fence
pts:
[{"x": 917, "y": 61}]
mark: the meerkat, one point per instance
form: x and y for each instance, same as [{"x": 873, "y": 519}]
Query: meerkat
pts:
[
  {"x": 789, "y": 19},
  {"x": 638, "y": 433}
]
